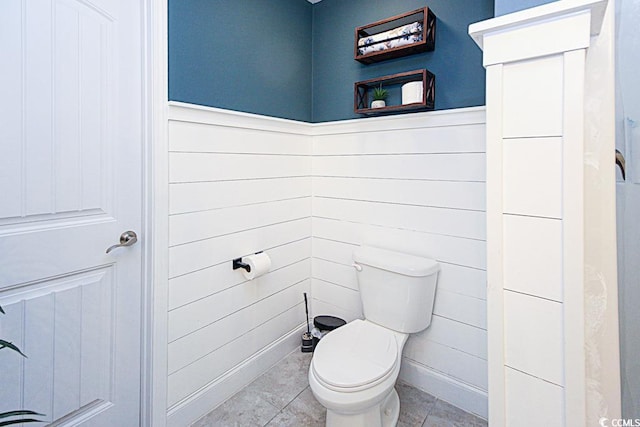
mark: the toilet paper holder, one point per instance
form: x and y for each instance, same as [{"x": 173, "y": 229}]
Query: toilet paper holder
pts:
[{"x": 237, "y": 263}]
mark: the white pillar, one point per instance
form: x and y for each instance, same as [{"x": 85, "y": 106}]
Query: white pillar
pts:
[{"x": 542, "y": 235}]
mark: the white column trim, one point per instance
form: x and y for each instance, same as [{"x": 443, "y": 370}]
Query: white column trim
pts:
[
  {"x": 545, "y": 13},
  {"x": 573, "y": 241},
  {"x": 156, "y": 271},
  {"x": 538, "y": 39},
  {"x": 495, "y": 260}
]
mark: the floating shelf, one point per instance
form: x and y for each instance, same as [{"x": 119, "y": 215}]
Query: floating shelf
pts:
[
  {"x": 393, "y": 83},
  {"x": 395, "y": 35}
]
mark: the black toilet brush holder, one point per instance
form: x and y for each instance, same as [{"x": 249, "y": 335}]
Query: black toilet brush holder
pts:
[
  {"x": 307, "y": 343},
  {"x": 307, "y": 339}
]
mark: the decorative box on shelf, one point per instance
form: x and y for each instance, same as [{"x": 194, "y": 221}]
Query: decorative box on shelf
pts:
[
  {"x": 405, "y": 86},
  {"x": 400, "y": 35}
]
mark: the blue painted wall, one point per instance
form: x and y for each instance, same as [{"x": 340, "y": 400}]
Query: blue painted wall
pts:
[
  {"x": 291, "y": 59},
  {"x": 456, "y": 60},
  {"x": 243, "y": 55},
  {"x": 504, "y": 7}
]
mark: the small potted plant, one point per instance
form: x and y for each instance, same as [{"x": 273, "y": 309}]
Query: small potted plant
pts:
[{"x": 379, "y": 96}]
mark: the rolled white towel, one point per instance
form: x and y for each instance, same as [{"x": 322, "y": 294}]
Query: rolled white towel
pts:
[
  {"x": 389, "y": 44},
  {"x": 404, "y": 31}
]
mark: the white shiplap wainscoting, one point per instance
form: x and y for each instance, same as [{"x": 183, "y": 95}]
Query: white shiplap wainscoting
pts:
[
  {"x": 238, "y": 184},
  {"x": 413, "y": 183},
  {"x": 308, "y": 194}
]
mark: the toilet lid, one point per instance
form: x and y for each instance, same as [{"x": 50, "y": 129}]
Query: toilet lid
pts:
[{"x": 356, "y": 354}]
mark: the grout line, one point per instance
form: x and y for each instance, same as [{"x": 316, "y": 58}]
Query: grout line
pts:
[
  {"x": 239, "y": 310},
  {"x": 231, "y": 233},
  {"x": 529, "y": 374},
  {"x": 234, "y": 285},
  {"x": 402, "y": 153},
  {"x": 396, "y": 203},
  {"x": 528, "y": 294},
  {"x": 522, "y": 215},
  {"x": 288, "y": 403},
  {"x": 239, "y": 153},
  {"x": 433, "y": 405},
  {"x": 398, "y": 178},
  {"x": 357, "y": 245},
  {"x": 242, "y": 205},
  {"x": 251, "y": 178},
  {"x": 229, "y": 260},
  {"x": 399, "y": 228},
  {"x": 273, "y": 406}
]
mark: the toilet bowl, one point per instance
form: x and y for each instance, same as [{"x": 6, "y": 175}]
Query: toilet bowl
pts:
[
  {"x": 354, "y": 368},
  {"x": 353, "y": 373}
]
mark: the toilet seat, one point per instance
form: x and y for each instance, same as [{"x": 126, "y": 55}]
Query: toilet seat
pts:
[{"x": 356, "y": 356}]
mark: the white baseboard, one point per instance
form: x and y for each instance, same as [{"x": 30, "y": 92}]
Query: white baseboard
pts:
[
  {"x": 463, "y": 396},
  {"x": 218, "y": 391}
]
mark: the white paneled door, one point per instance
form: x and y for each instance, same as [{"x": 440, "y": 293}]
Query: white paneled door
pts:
[{"x": 70, "y": 185}]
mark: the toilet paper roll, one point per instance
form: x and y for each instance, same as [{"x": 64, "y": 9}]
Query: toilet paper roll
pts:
[
  {"x": 259, "y": 263},
  {"x": 412, "y": 92}
]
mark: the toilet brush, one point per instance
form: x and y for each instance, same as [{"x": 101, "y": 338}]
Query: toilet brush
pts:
[{"x": 307, "y": 339}]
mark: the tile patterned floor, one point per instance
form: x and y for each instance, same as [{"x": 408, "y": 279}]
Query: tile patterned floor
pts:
[{"x": 282, "y": 397}]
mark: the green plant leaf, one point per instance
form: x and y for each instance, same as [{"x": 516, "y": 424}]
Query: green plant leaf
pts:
[
  {"x": 379, "y": 93},
  {"x": 7, "y": 344},
  {"x": 24, "y": 420},
  {"x": 19, "y": 412}
]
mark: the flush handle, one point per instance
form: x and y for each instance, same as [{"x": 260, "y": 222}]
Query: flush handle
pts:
[
  {"x": 358, "y": 267},
  {"x": 127, "y": 238}
]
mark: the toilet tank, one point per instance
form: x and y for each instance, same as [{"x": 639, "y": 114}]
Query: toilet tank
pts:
[{"x": 397, "y": 290}]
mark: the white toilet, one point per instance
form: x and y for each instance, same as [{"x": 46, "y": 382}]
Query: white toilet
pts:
[{"x": 354, "y": 368}]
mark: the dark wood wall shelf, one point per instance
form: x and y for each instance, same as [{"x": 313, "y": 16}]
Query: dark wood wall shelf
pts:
[
  {"x": 394, "y": 83},
  {"x": 370, "y": 53}
]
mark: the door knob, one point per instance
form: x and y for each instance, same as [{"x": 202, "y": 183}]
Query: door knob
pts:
[{"x": 127, "y": 238}]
